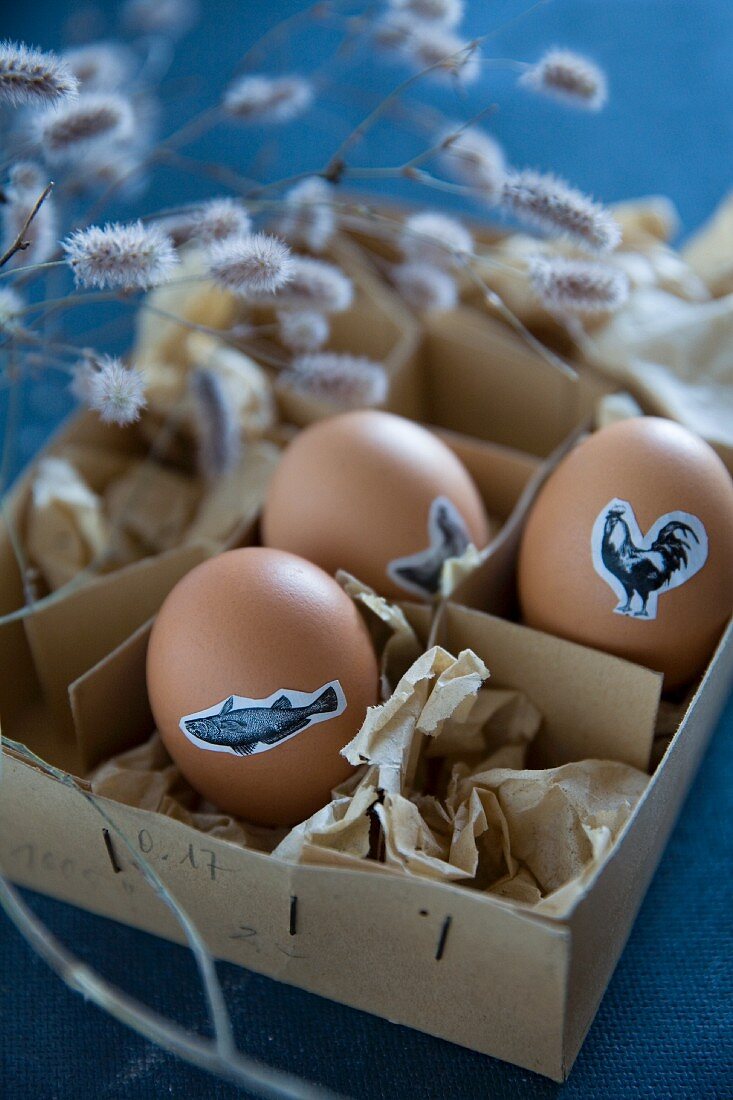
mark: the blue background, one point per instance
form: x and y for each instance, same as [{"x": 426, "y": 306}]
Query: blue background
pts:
[{"x": 665, "y": 1027}]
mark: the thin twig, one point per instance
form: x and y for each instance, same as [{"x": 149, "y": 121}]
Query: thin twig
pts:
[{"x": 19, "y": 244}]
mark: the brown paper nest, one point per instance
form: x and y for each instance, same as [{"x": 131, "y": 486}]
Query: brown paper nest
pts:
[{"x": 442, "y": 767}]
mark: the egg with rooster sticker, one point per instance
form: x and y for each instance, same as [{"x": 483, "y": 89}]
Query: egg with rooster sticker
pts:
[
  {"x": 377, "y": 495},
  {"x": 629, "y": 548},
  {"x": 260, "y": 669}
]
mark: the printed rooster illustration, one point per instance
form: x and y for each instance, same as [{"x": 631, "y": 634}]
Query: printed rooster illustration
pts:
[{"x": 643, "y": 571}]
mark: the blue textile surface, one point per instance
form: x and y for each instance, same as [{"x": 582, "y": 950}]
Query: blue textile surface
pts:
[{"x": 665, "y": 1028}]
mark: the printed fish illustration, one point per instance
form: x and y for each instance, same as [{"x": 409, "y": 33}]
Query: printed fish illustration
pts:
[
  {"x": 243, "y": 729},
  {"x": 448, "y": 539}
]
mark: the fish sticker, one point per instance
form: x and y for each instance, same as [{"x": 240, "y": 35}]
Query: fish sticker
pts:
[
  {"x": 641, "y": 568},
  {"x": 246, "y": 727},
  {"x": 448, "y": 537}
]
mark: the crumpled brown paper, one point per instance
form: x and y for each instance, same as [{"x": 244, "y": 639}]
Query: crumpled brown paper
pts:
[
  {"x": 676, "y": 355},
  {"x": 232, "y": 502},
  {"x": 435, "y": 688},
  {"x": 396, "y": 641},
  {"x": 190, "y": 297},
  {"x": 479, "y": 816},
  {"x": 66, "y": 528},
  {"x": 710, "y": 251},
  {"x": 145, "y": 777},
  {"x": 89, "y": 507},
  {"x": 166, "y": 353},
  {"x": 153, "y": 504}
]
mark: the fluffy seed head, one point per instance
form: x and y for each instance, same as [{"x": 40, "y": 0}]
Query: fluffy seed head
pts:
[
  {"x": 430, "y": 44},
  {"x": 25, "y": 183},
  {"x": 342, "y": 381},
  {"x": 104, "y": 167},
  {"x": 309, "y": 218},
  {"x": 472, "y": 157},
  {"x": 131, "y": 256},
  {"x": 24, "y": 175},
  {"x": 264, "y": 99},
  {"x": 426, "y": 289},
  {"x": 569, "y": 77},
  {"x": 116, "y": 392},
  {"x": 74, "y": 129},
  {"x": 302, "y": 330},
  {"x": 393, "y": 30},
  {"x": 548, "y": 204},
  {"x": 574, "y": 286},
  {"x": 448, "y": 13},
  {"x": 435, "y": 239},
  {"x": 81, "y": 384},
  {"x": 11, "y": 306},
  {"x": 217, "y": 425},
  {"x": 30, "y": 76},
  {"x": 314, "y": 285},
  {"x": 100, "y": 66},
  {"x": 215, "y": 220},
  {"x": 167, "y": 17},
  {"x": 251, "y": 264}
]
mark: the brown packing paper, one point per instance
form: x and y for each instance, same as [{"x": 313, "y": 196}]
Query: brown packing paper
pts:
[
  {"x": 66, "y": 529},
  {"x": 376, "y": 325},
  {"x": 577, "y": 690},
  {"x": 152, "y": 504},
  {"x": 228, "y": 512},
  {"x": 160, "y": 340},
  {"x": 710, "y": 251},
  {"x": 394, "y": 639},
  {"x": 492, "y": 823},
  {"x": 435, "y": 687},
  {"x": 675, "y": 356}
]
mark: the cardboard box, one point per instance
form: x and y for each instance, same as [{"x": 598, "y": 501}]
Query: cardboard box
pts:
[
  {"x": 465, "y": 966},
  {"x": 472, "y": 968}
]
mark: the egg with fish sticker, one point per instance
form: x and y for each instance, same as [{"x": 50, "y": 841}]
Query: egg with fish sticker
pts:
[
  {"x": 379, "y": 496},
  {"x": 629, "y": 548},
  {"x": 260, "y": 669}
]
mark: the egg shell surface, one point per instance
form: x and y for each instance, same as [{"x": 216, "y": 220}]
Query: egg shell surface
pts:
[
  {"x": 377, "y": 495},
  {"x": 629, "y": 548},
  {"x": 253, "y": 624}
]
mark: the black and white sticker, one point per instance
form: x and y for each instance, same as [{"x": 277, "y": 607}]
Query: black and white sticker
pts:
[
  {"x": 641, "y": 568},
  {"x": 248, "y": 726},
  {"x": 448, "y": 537}
]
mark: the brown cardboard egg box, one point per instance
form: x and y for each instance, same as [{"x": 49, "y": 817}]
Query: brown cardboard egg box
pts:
[{"x": 473, "y": 968}]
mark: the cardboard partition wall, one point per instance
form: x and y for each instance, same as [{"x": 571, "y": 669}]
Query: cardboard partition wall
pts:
[{"x": 482, "y": 379}]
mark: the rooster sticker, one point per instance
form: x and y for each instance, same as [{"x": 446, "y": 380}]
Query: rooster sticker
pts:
[
  {"x": 248, "y": 726},
  {"x": 641, "y": 568}
]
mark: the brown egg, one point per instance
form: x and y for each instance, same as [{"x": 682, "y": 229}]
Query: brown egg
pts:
[
  {"x": 629, "y": 548},
  {"x": 260, "y": 669},
  {"x": 378, "y": 496}
]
